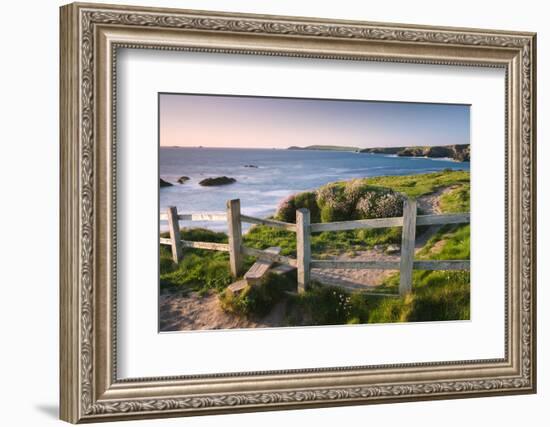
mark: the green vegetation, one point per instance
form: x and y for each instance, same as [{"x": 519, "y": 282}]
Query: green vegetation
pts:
[
  {"x": 376, "y": 197},
  {"x": 437, "y": 295},
  {"x": 257, "y": 301},
  {"x": 456, "y": 200},
  {"x": 442, "y": 295},
  {"x": 200, "y": 270},
  {"x": 419, "y": 185},
  {"x": 322, "y": 244}
]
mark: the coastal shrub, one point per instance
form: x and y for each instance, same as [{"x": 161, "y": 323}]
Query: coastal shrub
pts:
[
  {"x": 308, "y": 200},
  {"x": 380, "y": 204},
  {"x": 286, "y": 211},
  {"x": 333, "y": 203},
  {"x": 334, "y": 213},
  {"x": 354, "y": 190}
]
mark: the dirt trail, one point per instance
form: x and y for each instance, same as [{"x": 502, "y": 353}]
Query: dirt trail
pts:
[
  {"x": 180, "y": 312},
  {"x": 353, "y": 279}
]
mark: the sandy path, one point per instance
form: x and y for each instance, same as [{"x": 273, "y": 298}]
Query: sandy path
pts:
[
  {"x": 353, "y": 279},
  {"x": 179, "y": 312}
]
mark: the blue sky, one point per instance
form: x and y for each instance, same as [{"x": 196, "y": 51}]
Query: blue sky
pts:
[{"x": 263, "y": 122}]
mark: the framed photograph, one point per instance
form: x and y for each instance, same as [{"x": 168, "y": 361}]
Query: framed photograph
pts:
[{"x": 266, "y": 212}]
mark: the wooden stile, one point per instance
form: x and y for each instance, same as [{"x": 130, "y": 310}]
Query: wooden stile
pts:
[
  {"x": 407, "y": 246},
  {"x": 357, "y": 224},
  {"x": 211, "y": 246},
  {"x": 303, "y": 248},
  {"x": 303, "y": 229},
  {"x": 260, "y": 268},
  {"x": 174, "y": 228},
  {"x": 235, "y": 236},
  {"x": 269, "y": 256}
]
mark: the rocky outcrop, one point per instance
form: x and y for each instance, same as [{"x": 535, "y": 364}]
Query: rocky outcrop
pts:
[
  {"x": 251, "y": 166},
  {"x": 458, "y": 152},
  {"x": 164, "y": 183},
  {"x": 183, "y": 179},
  {"x": 220, "y": 180}
]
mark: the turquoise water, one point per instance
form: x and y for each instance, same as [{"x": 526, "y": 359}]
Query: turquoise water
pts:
[{"x": 279, "y": 174}]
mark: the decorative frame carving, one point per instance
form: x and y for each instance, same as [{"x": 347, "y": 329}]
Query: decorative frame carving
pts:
[{"x": 90, "y": 36}]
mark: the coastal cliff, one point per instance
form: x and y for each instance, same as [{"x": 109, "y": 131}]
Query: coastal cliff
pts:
[{"x": 458, "y": 152}]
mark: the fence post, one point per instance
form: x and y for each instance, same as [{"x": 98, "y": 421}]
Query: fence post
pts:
[
  {"x": 303, "y": 248},
  {"x": 407, "y": 247},
  {"x": 235, "y": 236},
  {"x": 174, "y": 227}
]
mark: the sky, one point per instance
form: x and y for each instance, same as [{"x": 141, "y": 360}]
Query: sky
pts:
[{"x": 263, "y": 122}]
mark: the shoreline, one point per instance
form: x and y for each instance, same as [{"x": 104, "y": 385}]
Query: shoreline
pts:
[{"x": 222, "y": 226}]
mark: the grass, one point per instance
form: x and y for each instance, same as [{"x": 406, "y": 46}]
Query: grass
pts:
[
  {"x": 322, "y": 244},
  {"x": 419, "y": 185},
  {"x": 199, "y": 270},
  {"x": 456, "y": 200},
  {"x": 437, "y": 295}
]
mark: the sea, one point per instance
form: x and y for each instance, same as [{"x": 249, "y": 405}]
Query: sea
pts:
[{"x": 276, "y": 174}]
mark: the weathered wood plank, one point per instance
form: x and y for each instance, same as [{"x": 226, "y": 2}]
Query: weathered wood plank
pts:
[
  {"x": 174, "y": 228},
  {"x": 354, "y": 225},
  {"x": 165, "y": 241},
  {"x": 282, "y": 269},
  {"x": 407, "y": 247},
  {"x": 443, "y": 219},
  {"x": 223, "y": 247},
  {"x": 259, "y": 269},
  {"x": 442, "y": 265},
  {"x": 203, "y": 216},
  {"x": 238, "y": 286},
  {"x": 303, "y": 248},
  {"x": 360, "y": 265},
  {"x": 200, "y": 216},
  {"x": 269, "y": 222},
  {"x": 235, "y": 236},
  {"x": 265, "y": 255}
]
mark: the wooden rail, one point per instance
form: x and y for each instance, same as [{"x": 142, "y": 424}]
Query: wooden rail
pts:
[
  {"x": 269, "y": 222},
  {"x": 303, "y": 229},
  {"x": 200, "y": 216},
  {"x": 281, "y": 259}
]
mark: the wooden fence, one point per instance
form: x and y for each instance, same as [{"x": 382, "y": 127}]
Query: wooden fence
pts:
[{"x": 303, "y": 229}]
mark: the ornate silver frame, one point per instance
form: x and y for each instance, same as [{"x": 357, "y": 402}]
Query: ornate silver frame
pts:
[{"x": 90, "y": 36}]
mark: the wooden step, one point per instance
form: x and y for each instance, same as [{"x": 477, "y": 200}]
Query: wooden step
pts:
[
  {"x": 260, "y": 267},
  {"x": 282, "y": 269},
  {"x": 238, "y": 286}
]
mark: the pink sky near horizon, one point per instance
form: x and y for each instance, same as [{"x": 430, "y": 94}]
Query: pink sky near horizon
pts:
[{"x": 262, "y": 122}]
